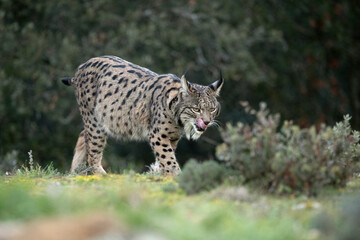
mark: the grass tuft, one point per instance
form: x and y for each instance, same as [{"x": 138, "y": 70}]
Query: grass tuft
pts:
[{"x": 34, "y": 170}]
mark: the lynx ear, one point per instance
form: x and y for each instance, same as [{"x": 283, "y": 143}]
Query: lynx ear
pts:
[
  {"x": 184, "y": 84},
  {"x": 217, "y": 85}
]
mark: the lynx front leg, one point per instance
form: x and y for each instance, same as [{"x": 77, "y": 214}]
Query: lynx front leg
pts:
[
  {"x": 165, "y": 154},
  {"x": 174, "y": 143}
]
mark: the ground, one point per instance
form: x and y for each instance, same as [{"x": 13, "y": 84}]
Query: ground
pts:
[{"x": 134, "y": 206}]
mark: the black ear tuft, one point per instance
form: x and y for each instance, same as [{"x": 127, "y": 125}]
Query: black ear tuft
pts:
[{"x": 217, "y": 85}]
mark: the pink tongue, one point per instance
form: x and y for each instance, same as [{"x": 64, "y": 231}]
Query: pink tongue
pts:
[{"x": 201, "y": 123}]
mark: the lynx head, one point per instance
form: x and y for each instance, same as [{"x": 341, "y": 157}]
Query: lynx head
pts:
[{"x": 197, "y": 106}]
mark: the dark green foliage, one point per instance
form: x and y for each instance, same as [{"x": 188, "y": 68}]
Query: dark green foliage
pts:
[
  {"x": 8, "y": 163},
  {"x": 290, "y": 160},
  {"x": 197, "y": 177}
]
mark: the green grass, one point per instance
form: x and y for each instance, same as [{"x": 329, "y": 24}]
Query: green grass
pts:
[{"x": 145, "y": 202}]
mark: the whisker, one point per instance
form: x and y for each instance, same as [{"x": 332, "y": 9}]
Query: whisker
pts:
[{"x": 216, "y": 123}]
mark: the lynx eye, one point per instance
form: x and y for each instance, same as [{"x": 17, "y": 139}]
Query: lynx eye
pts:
[
  {"x": 212, "y": 109},
  {"x": 195, "y": 109}
]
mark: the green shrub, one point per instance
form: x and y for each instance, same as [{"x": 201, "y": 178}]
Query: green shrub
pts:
[
  {"x": 287, "y": 159},
  {"x": 197, "y": 177},
  {"x": 348, "y": 223},
  {"x": 345, "y": 224}
]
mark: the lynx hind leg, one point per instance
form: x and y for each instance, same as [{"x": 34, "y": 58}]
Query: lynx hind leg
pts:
[
  {"x": 80, "y": 155},
  {"x": 95, "y": 143}
]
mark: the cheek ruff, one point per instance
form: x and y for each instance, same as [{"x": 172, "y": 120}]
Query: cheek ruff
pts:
[{"x": 191, "y": 130}]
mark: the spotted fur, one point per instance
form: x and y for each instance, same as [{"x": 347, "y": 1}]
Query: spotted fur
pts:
[{"x": 120, "y": 99}]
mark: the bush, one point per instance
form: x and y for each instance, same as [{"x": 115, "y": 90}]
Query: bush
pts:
[
  {"x": 287, "y": 159},
  {"x": 348, "y": 224},
  {"x": 344, "y": 225},
  {"x": 197, "y": 177}
]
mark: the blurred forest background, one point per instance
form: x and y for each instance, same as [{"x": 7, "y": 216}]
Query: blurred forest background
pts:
[{"x": 301, "y": 57}]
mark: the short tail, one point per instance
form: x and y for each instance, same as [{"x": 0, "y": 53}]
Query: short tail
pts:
[
  {"x": 80, "y": 154},
  {"x": 67, "y": 81}
]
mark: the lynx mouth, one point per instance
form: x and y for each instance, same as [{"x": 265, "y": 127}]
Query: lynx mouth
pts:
[
  {"x": 200, "y": 125},
  {"x": 199, "y": 128}
]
